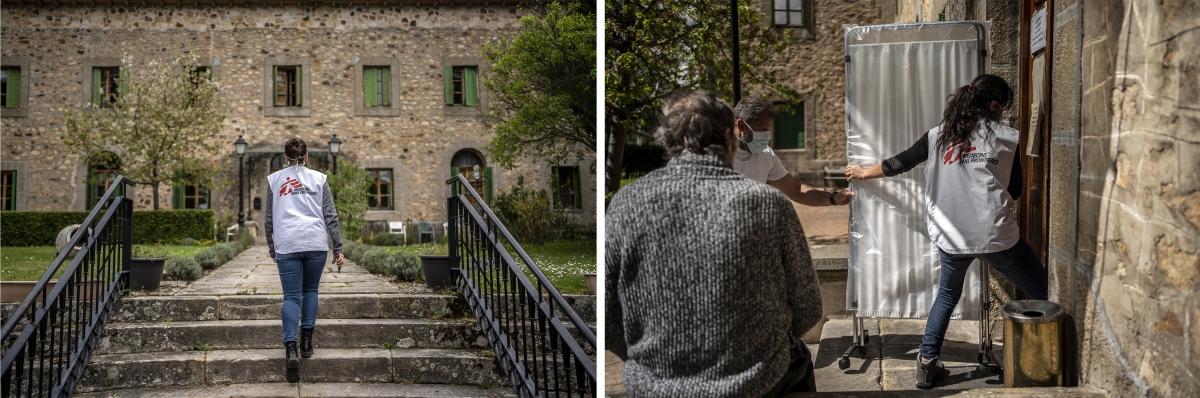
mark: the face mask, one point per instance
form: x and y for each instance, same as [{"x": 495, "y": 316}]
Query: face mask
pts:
[{"x": 759, "y": 140}]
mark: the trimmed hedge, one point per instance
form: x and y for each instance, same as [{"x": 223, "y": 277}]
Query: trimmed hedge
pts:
[
  {"x": 39, "y": 228},
  {"x": 181, "y": 269},
  {"x": 401, "y": 265}
]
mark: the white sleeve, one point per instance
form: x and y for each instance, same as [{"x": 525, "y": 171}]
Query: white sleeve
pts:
[{"x": 777, "y": 169}]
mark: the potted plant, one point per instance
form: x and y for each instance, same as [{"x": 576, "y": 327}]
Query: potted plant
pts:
[
  {"x": 436, "y": 270},
  {"x": 146, "y": 267}
]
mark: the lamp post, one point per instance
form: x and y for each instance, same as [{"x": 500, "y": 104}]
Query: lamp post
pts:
[
  {"x": 335, "y": 144},
  {"x": 737, "y": 67},
  {"x": 240, "y": 147}
]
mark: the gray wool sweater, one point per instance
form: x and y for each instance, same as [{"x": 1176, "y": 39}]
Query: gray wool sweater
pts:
[{"x": 709, "y": 281}]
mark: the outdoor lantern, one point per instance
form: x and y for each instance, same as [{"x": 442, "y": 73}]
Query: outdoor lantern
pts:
[
  {"x": 475, "y": 173},
  {"x": 240, "y": 145},
  {"x": 335, "y": 144}
]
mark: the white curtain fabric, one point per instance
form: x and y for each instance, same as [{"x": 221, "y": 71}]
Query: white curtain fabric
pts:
[{"x": 897, "y": 81}]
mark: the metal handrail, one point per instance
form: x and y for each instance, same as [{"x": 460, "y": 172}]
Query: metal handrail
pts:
[
  {"x": 64, "y": 322},
  {"x": 518, "y": 321},
  {"x": 576, "y": 320}
]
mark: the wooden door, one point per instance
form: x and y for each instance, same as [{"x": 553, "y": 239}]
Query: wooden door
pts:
[{"x": 1033, "y": 120}]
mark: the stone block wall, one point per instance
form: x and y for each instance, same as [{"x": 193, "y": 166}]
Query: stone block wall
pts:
[
  {"x": 239, "y": 43},
  {"x": 815, "y": 66}
]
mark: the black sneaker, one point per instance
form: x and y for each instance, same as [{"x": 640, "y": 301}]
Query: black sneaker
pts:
[
  {"x": 293, "y": 362},
  {"x": 306, "y": 348},
  {"x": 929, "y": 373}
]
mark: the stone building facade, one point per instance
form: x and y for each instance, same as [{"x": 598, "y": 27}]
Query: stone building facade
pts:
[
  {"x": 1121, "y": 182},
  {"x": 416, "y": 137},
  {"x": 813, "y": 63}
]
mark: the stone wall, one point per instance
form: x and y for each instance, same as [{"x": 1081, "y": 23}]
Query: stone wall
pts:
[
  {"x": 814, "y": 62},
  {"x": 239, "y": 43}
]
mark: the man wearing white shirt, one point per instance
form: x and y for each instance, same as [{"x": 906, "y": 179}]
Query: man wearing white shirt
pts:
[{"x": 756, "y": 160}]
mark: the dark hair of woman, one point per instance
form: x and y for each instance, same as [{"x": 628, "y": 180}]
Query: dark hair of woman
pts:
[
  {"x": 969, "y": 104},
  {"x": 294, "y": 150}
]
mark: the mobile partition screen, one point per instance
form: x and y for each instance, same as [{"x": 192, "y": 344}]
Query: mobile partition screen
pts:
[{"x": 897, "y": 80}]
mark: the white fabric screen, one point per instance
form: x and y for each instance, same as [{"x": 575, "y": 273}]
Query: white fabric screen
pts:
[{"x": 897, "y": 80}]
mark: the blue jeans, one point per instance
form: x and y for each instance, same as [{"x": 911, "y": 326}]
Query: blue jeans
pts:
[
  {"x": 1019, "y": 264},
  {"x": 300, "y": 274}
]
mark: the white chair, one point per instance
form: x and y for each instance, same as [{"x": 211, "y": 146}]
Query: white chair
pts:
[{"x": 397, "y": 227}]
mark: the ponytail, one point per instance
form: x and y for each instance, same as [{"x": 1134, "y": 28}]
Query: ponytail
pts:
[{"x": 969, "y": 104}]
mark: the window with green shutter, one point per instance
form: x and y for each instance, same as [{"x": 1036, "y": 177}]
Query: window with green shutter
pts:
[
  {"x": 462, "y": 85},
  {"x": 377, "y": 86},
  {"x": 567, "y": 187},
  {"x": 8, "y": 188},
  {"x": 106, "y": 85},
  {"x": 287, "y": 86},
  {"x": 10, "y": 87},
  {"x": 789, "y": 126}
]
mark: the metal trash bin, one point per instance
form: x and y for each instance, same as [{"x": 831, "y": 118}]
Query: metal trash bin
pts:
[{"x": 1033, "y": 349}]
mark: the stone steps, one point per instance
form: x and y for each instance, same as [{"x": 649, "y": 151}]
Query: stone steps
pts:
[
  {"x": 250, "y": 307},
  {"x": 141, "y": 337},
  {"x": 330, "y": 365},
  {"x": 281, "y": 390}
]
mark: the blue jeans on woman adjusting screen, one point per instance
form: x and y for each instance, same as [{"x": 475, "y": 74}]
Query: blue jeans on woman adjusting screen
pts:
[
  {"x": 1019, "y": 264},
  {"x": 299, "y": 273}
]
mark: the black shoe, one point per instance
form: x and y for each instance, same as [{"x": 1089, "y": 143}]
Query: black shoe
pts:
[
  {"x": 929, "y": 373},
  {"x": 293, "y": 363},
  {"x": 306, "y": 349}
]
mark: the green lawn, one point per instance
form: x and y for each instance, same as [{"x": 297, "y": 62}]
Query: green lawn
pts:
[
  {"x": 29, "y": 263},
  {"x": 563, "y": 262}
]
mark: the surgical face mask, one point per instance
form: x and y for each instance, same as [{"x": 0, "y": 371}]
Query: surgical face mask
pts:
[{"x": 759, "y": 140}]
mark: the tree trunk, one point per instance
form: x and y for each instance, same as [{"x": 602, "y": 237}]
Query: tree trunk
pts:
[
  {"x": 154, "y": 187},
  {"x": 616, "y": 157}
]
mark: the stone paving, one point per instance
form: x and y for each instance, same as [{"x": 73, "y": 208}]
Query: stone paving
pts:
[{"x": 254, "y": 272}]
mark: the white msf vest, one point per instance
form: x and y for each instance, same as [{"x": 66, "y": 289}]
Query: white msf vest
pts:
[
  {"x": 970, "y": 209},
  {"x": 298, "y": 223}
]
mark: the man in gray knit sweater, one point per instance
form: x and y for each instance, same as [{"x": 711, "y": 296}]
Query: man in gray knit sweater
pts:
[{"x": 709, "y": 278}]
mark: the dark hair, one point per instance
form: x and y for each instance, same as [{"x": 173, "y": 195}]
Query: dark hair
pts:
[
  {"x": 753, "y": 108},
  {"x": 294, "y": 149},
  {"x": 694, "y": 121},
  {"x": 970, "y": 103}
]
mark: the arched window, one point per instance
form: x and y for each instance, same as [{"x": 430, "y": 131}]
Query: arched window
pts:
[
  {"x": 470, "y": 164},
  {"x": 103, "y": 168}
]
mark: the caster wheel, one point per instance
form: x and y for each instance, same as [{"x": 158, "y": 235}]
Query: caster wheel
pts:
[{"x": 844, "y": 363}]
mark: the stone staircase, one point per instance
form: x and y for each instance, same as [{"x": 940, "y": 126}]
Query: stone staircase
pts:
[{"x": 373, "y": 338}]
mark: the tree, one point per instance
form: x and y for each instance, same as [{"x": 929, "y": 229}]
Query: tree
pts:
[
  {"x": 543, "y": 87},
  {"x": 163, "y": 119},
  {"x": 349, "y": 187},
  {"x": 656, "y": 47}
]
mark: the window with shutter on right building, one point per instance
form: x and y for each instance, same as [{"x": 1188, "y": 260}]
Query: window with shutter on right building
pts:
[
  {"x": 106, "y": 85},
  {"x": 10, "y": 87},
  {"x": 377, "y": 86},
  {"x": 462, "y": 85},
  {"x": 789, "y": 126},
  {"x": 287, "y": 89},
  {"x": 8, "y": 188}
]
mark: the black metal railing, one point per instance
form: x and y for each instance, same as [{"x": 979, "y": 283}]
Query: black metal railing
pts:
[
  {"x": 522, "y": 317},
  {"x": 50, "y": 336}
]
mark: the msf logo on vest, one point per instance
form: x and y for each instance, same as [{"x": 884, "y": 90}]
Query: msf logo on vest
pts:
[
  {"x": 965, "y": 153},
  {"x": 292, "y": 186}
]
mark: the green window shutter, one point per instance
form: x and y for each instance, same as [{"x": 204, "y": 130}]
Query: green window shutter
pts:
[
  {"x": 453, "y": 187},
  {"x": 470, "y": 89},
  {"x": 121, "y": 76},
  {"x": 299, "y": 85},
  {"x": 449, "y": 87},
  {"x": 789, "y": 128},
  {"x": 487, "y": 183},
  {"x": 14, "y": 88},
  {"x": 555, "y": 191},
  {"x": 386, "y": 86},
  {"x": 275, "y": 85},
  {"x": 96, "y": 77},
  {"x": 578, "y": 190},
  {"x": 176, "y": 196},
  {"x": 370, "y": 83}
]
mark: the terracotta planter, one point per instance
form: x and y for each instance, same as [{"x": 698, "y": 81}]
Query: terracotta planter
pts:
[
  {"x": 436, "y": 270},
  {"x": 145, "y": 273},
  {"x": 590, "y": 277}
]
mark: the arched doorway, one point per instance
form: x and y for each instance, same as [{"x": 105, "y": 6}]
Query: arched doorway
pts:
[{"x": 471, "y": 164}]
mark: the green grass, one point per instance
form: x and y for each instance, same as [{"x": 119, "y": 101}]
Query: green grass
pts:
[
  {"x": 563, "y": 262},
  {"x": 29, "y": 263}
]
